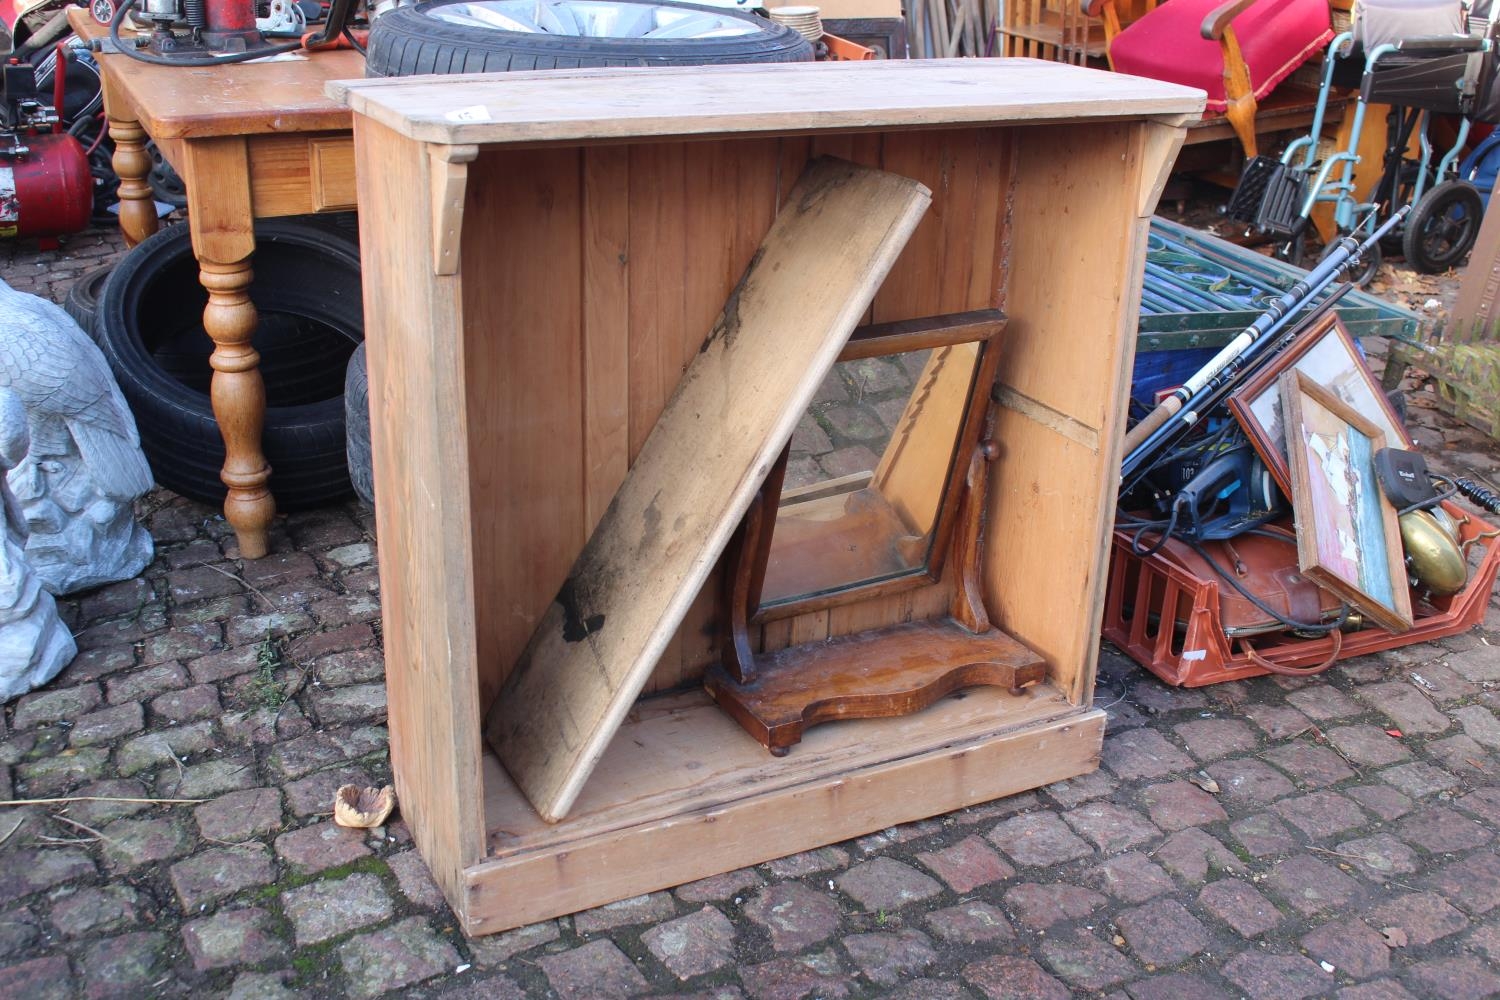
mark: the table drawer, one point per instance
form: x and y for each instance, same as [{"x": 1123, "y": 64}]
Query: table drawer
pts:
[{"x": 296, "y": 174}]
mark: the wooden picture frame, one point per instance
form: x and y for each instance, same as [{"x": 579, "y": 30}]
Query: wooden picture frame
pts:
[
  {"x": 1327, "y": 354},
  {"x": 1348, "y": 541}
]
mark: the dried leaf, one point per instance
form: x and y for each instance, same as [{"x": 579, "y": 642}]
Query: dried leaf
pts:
[
  {"x": 363, "y": 808},
  {"x": 1204, "y": 782},
  {"x": 1395, "y": 937}
]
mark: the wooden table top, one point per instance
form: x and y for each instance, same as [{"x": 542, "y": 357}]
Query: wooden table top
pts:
[
  {"x": 182, "y": 102},
  {"x": 634, "y": 101}
]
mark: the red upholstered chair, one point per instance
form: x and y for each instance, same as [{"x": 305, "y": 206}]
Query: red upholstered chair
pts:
[{"x": 1236, "y": 51}]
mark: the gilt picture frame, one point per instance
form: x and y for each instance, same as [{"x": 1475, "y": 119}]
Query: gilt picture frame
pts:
[{"x": 1348, "y": 541}]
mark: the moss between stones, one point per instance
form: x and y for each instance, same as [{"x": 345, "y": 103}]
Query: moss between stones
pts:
[{"x": 293, "y": 880}]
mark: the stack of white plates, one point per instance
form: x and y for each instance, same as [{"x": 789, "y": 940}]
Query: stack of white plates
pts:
[{"x": 803, "y": 20}]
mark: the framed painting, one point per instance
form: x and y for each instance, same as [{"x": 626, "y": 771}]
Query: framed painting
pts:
[
  {"x": 1348, "y": 541},
  {"x": 1325, "y": 352}
]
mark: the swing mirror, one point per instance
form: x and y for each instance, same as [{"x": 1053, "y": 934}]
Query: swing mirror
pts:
[{"x": 866, "y": 496}]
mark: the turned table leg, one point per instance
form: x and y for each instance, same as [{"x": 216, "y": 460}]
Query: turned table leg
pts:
[
  {"x": 239, "y": 400},
  {"x": 222, "y": 224},
  {"x": 133, "y": 165}
]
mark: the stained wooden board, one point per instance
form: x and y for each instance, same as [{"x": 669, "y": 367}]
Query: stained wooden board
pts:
[
  {"x": 815, "y": 274},
  {"x": 771, "y": 97}
]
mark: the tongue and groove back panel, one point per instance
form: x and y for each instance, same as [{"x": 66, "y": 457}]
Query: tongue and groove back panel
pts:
[
  {"x": 631, "y": 285},
  {"x": 806, "y": 288}
]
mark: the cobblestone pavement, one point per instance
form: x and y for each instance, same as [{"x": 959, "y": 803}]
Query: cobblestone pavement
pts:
[
  {"x": 848, "y": 425},
  {"x": 1335, "y": 859}
]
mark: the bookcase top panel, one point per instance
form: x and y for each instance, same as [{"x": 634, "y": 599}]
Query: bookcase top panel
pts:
[{"x": 626, "y": 103}]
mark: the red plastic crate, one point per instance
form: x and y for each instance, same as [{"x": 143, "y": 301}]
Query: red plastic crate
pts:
[{"x": 1167, "y": 619}]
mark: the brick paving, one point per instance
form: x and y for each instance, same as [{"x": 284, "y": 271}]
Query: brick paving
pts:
[{"x": 1336, "y": 859}]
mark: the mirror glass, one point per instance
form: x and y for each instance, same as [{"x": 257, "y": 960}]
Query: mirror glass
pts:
[{"x": 868, "y": 471}]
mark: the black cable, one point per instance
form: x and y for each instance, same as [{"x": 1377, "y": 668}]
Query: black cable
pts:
[
  {"x": 1481, "y": 496},
  {"x": 1212, "y": 441},
  {"x": 1217, "y": 441},
  {"x": 1319, "y": 628},
  {"x": 353, "y": 42},
  {"x": 336, "y": 22},
  {"x": 1451, "y": 491},
  {"x": 191, "y": 61},
  {"x": 1166, "y": 534},
  {"x": 1226, "y": 439},
  {"x": 1271, "y": 531}
]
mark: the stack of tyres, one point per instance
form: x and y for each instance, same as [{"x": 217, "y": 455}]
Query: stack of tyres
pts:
[
  {"x": 82, "y": 302},
  {"x": 306, "y": 289}
]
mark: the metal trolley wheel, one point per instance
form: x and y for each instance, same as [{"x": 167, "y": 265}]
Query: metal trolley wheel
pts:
[{"x": 1442, "y": 227}]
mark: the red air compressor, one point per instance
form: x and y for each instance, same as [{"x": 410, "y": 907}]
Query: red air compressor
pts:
[{"x": 46, "y": 188}]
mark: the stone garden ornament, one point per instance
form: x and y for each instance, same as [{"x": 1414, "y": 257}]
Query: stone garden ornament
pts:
[
  {"x": 85, "y": 467},
  {"x": 34, "y": 643}
]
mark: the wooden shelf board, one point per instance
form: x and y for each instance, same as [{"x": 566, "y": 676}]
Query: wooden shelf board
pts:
[
  {"x": 867, "y": 775},
  {"x": 680, "y": 752}
]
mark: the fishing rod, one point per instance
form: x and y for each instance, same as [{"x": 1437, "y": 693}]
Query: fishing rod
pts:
[
  {"x": 1181, "y": 410},
  {"x": 1217, "y": 388},
  {"x": 1327, "y": 271}
]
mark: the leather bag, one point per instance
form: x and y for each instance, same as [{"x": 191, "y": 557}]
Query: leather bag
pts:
[{"x": 1266, "y": 566}]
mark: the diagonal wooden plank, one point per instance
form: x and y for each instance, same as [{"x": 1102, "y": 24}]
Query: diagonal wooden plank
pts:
[{"x": 805, "y": 290}]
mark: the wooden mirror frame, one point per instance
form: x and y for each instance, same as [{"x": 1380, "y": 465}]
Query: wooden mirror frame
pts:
[
  {"x": 904, "y": 667},
  {"x": 749, "y": 553}
]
